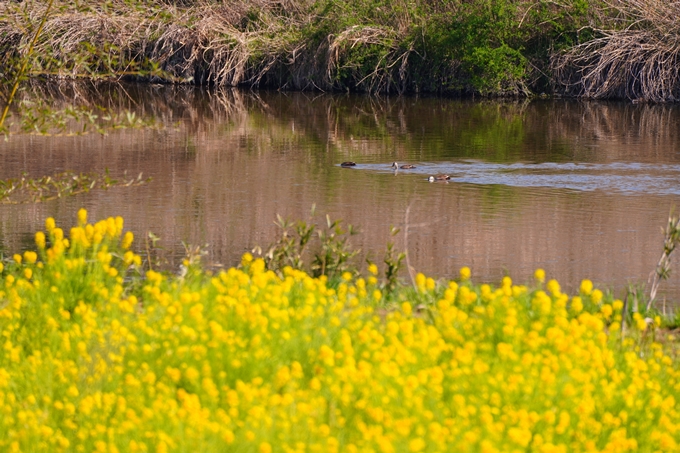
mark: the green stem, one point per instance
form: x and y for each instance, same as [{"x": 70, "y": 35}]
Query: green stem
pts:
[{"x": 24, "y": 64}]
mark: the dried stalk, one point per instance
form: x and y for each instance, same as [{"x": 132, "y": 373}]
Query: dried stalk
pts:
[
  {"x": 24, "y": 64},
  {"x": 208, "y": 43},
  {"x": 47, "y": 188},
  {"x": 663, "y": 267},
  {"x": 637, "y": 58}
]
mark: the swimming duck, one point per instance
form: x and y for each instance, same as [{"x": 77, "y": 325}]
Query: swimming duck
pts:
[
  {"x": 348, "y": 164},
  {"x": 439, "y": 178},
  {"x": 405, "y": 167}
]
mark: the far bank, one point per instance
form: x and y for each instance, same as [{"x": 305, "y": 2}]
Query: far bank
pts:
[{"x": 618, "y": 50}]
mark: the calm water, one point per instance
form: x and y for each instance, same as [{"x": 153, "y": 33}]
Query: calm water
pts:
[{"x": 579, "y": 189}]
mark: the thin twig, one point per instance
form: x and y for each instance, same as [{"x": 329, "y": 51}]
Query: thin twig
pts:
[
  {"x": 406, "y": 254},
  {"x": 623, "y": 315},
  {"x": 24, "y": 64}
]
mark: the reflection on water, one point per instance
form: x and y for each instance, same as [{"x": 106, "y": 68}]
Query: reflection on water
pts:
[{"x": 580, "y": 189}]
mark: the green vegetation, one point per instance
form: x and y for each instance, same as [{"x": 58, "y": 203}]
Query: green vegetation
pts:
[
  {"x": 98, "y": 355},
  {"x": 19, "y": 61},
  {"x": 38, "y": 190},
  {"x": 331, "y": 254},
  {"x": 663, "y": 267},
  {"x": 590, "y": 48}
]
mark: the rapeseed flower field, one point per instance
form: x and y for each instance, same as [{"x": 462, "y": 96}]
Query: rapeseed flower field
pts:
[{"x": 94, "y": 359}]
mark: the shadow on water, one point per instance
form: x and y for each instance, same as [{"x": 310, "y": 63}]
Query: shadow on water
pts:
[{"x": 580, "y": 189}]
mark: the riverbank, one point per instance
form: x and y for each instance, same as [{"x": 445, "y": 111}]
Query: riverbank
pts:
[
  {"x": 100, "y": 355},
  {"x": 588, "y": 49}
]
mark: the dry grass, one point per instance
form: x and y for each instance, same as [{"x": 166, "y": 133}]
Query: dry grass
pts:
[
  {"x": 637, "y": 58},
  {"x": 206, "y": 43},
  {"x": 389, "y": 70},
  {"x": 297, "y": 44}
]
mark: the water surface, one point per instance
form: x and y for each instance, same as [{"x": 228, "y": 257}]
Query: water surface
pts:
[{"x": 579, "y": 189}]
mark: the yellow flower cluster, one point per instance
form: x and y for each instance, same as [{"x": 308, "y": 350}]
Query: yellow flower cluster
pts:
[{"x": 243, "y": 360}]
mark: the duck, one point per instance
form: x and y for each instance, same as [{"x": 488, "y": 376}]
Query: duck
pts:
[
  {"x": 404, "y": 167},
  {"x": 348, "y": 164},
  {"x": 439, "y": 178}
]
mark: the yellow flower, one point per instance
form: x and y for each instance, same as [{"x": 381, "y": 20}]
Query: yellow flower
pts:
[
  {"x": 246, "y": 357},
  {"x": 17, "y": 258},
  {"x": 373, "y": 269},
  {"x": 586, "y": 287},
  {"x": 49, "y": 224},
  {"x": 82, "y": 216},
  {"x": 430, "y": 284},
  {"x": 127, "y": 240},
  {"x": 597, "y": 296},
  {"x": 40, "y": 239},
  {"x": 416, "y": 445},
  {"x": 228, "y": 436},
  {"x": 58, "y": 234},
  {"x": 246, "y": 259},
  {"x": 30, "y": 256},
  {"x": 421, "y": 281},
  {"x": 539, "y": 275},
  {"x": 465, "y": 273},
  {"x": 640, "y": 322},
  {"x": 554, "y": 287}
]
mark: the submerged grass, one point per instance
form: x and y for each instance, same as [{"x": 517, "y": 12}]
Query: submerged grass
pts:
[
  {"x": 97, "y": 357},
  {"x": 594, "y": 48},
  {"x": 37, "y": 190}
]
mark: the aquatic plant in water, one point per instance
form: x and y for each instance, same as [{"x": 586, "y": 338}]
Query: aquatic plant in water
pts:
[
  {"x": 96, "y": 357},
  {"x": 37, "y": 190}
]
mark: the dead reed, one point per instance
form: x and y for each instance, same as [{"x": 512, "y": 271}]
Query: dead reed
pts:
[
  {"x": 594, "y": 49},
  {"x": 286, "y": 44},
  {"x": 636, "y": 57},
  {"x": 663, "y": 267}
]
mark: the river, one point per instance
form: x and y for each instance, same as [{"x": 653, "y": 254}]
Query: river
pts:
[{"x": 580, "y": 189}]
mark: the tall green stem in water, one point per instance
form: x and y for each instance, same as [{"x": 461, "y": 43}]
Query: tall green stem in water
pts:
[{"x": 24, "y": 64}]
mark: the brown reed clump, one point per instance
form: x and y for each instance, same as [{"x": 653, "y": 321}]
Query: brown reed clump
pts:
[
  {"x": 204, "y": 43},
  {"x": 499, "y": 47},
  {"x": 636, "y": 57},
  {"x": 201, "y": 42},
  {"x": 288, "y": 44}
]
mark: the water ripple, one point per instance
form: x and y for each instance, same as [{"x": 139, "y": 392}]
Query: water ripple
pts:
[{"x": 622, "y": 177}]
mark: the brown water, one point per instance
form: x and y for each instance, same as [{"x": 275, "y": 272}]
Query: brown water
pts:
[{"x": 579, "y": 189}]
